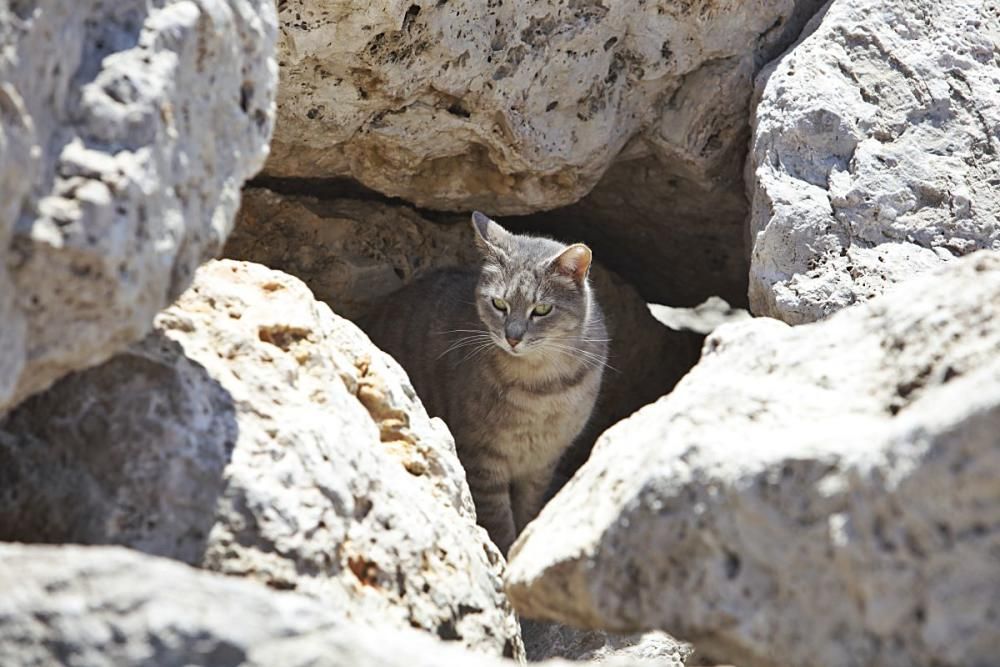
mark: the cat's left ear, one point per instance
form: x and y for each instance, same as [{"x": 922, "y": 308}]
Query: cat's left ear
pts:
[
  {"x": 489, "y": 235},
  {"x": 573, "y": 262}
]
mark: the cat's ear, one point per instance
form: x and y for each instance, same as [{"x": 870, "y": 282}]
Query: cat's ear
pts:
[
  {"x": 573, "y": 262},
  {"x": 489, "y": 235}
]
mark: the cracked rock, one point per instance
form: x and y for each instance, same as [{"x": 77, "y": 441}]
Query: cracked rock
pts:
[
  {"x": 875, "y": 153},
  {"x": 819, "y": 495},
  {"x": 126, "y": 131},
  {"x": 257, "y": 434}
]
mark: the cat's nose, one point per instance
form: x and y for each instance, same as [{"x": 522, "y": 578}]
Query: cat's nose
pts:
[{"x": 513, "y": 341}]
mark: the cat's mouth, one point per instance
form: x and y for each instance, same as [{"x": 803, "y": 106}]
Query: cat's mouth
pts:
[{"x": 522, "y": 349}]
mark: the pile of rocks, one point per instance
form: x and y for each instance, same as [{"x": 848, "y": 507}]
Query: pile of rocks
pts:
[{"x": 201, "y": 463}]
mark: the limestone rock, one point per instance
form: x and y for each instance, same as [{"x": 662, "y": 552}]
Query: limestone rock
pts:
[
  {"x": 512, "y": 107},
  {"x": 257, "y": 434},
  {"x": 553, "y": 640},
  {"x": 875, "y": 153},
  {"x": 819, "y": 495},
  {"x": 352, "y": 253},
  {"x": 109, "y": 606},
  {"x": 126, "y": 132}
]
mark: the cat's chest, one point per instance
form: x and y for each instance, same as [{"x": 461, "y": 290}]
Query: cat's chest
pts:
[{"x": 533, "y": 429}]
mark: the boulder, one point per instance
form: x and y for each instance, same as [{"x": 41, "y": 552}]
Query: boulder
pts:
[
  {"x": 126, "y": 132},
  {"x": 352, "y": 253},
  {"x": 108, "y": 606},
  {"x": 819, "y": 495},
  {"x": 514, "y": 108},
  {"x": 875, "y": 153},
  {"x": 257, "y": 434},
  {"x": 543, "y": 641}
]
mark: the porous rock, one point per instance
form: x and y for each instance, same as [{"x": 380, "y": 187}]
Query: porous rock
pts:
[
  {"x": 875, "y": 153},
  {"x": 352, "y": 253},
  {"x": 126, "y": 132},
  {"x": 512, "y": 107},
  {"x": 543, "y": 641},
  {"x": 111, "y": 606},
  {"x": 818, "y": 495},
  {"x": 257, "y": 434}
]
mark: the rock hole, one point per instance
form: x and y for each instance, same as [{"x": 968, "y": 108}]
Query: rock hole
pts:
[
  {"x": 732, "y": 565},
  {"x": 411, "y": 15},
  {"x": 446, "y": 630}
]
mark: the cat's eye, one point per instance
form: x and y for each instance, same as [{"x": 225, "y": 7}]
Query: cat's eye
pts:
[
  {"x": 542, "y": 309},
  {"x": 500, "y": 304}
]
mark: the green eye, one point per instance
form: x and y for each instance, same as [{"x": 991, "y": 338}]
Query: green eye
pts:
[
  {"x": 500, "y": 304},
  {"x": 542, "y": 309}
]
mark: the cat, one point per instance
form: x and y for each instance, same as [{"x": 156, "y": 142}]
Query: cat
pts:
[{"x": 510, "y": 355}]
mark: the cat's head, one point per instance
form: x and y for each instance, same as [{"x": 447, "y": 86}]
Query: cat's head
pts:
[{"x": 532, "y": 296}]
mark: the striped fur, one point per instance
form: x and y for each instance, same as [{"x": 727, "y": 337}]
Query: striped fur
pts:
[{"x": 513, "y": 410}]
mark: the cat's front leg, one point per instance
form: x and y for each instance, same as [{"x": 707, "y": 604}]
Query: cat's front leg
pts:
[
  {"x": 527, "y": 495},
  {"x": 491, "y": 493}
]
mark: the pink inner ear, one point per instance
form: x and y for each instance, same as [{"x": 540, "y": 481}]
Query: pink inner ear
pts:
[{"x": 574, "y": 262}]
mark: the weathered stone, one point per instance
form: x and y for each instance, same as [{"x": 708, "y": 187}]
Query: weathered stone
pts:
[
  {"x": 257, "y": 434},
  {"x": 704, "y": 318},
  {"x": 514, "y": 107},
  {"x": 100, "y": 606},
  {"x": 818, "y": 495},
  {"x": 126, "y": 132},
  {"x": 352, "y": 253},
  {"x": 553, "y": 640},
  {"x": 875, "y": 153}
]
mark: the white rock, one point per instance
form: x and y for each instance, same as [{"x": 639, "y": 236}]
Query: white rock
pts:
[
  {"x": 819, "y": 495},
  {"x": 875, "y": 153},
  {"x": 514, "y": 107},
  {"x": 126, "y": 132},
  {"x": 554, "y": 640},
  {"x": 100, "y": 606},
  {"x": 257, "y": 434},
  {"x": 107, "y": 606}
]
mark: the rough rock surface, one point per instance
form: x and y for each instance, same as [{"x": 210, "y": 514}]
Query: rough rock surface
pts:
[
  {"x": 100, "y": 606},
  {"x": 553, "y": 640},
  {"x": 257, "y": 434},
  {"x": 513, "y": 107},
  {"x": 352, "y": 253},
  {"x": 875, "y": 153},
  {"x": 819, "y": 495},
  {"x": 126, "y": 132}
]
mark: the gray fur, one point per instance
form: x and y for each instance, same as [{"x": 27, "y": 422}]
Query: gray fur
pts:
[{"x": 513, "y": 411}]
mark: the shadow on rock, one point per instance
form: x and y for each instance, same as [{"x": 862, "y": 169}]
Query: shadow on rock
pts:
[{"x": 131, "y": 452}]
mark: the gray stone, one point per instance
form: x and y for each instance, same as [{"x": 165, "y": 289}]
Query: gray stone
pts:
[
  {"x": 126, "y": 131},
  {"x": 819, "y": 495},
  {"x": 352, "y": 253},
  {"x": 515, "y": 108},
  {"x": 108, "y": 606},
  {"x": 704, "y": 318},
  {"x": 256, "y": 434},
  {"x": 543, "y": 641},
  {"x": 875, "y": 153}
]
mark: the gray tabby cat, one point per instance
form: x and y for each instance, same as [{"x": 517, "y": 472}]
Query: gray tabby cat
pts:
[{"x": 510, "y": 356}]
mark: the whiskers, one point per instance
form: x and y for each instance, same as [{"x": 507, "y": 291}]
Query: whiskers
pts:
[
  {"x": 572, "y": 347},
  {"x": 473, "y": 342}
]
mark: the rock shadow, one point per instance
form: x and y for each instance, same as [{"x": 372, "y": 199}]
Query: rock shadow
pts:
[{"x": 130, "y": 452}]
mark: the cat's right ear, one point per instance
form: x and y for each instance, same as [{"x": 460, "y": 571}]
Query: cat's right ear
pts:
[{"x": 489, "y": 235}]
